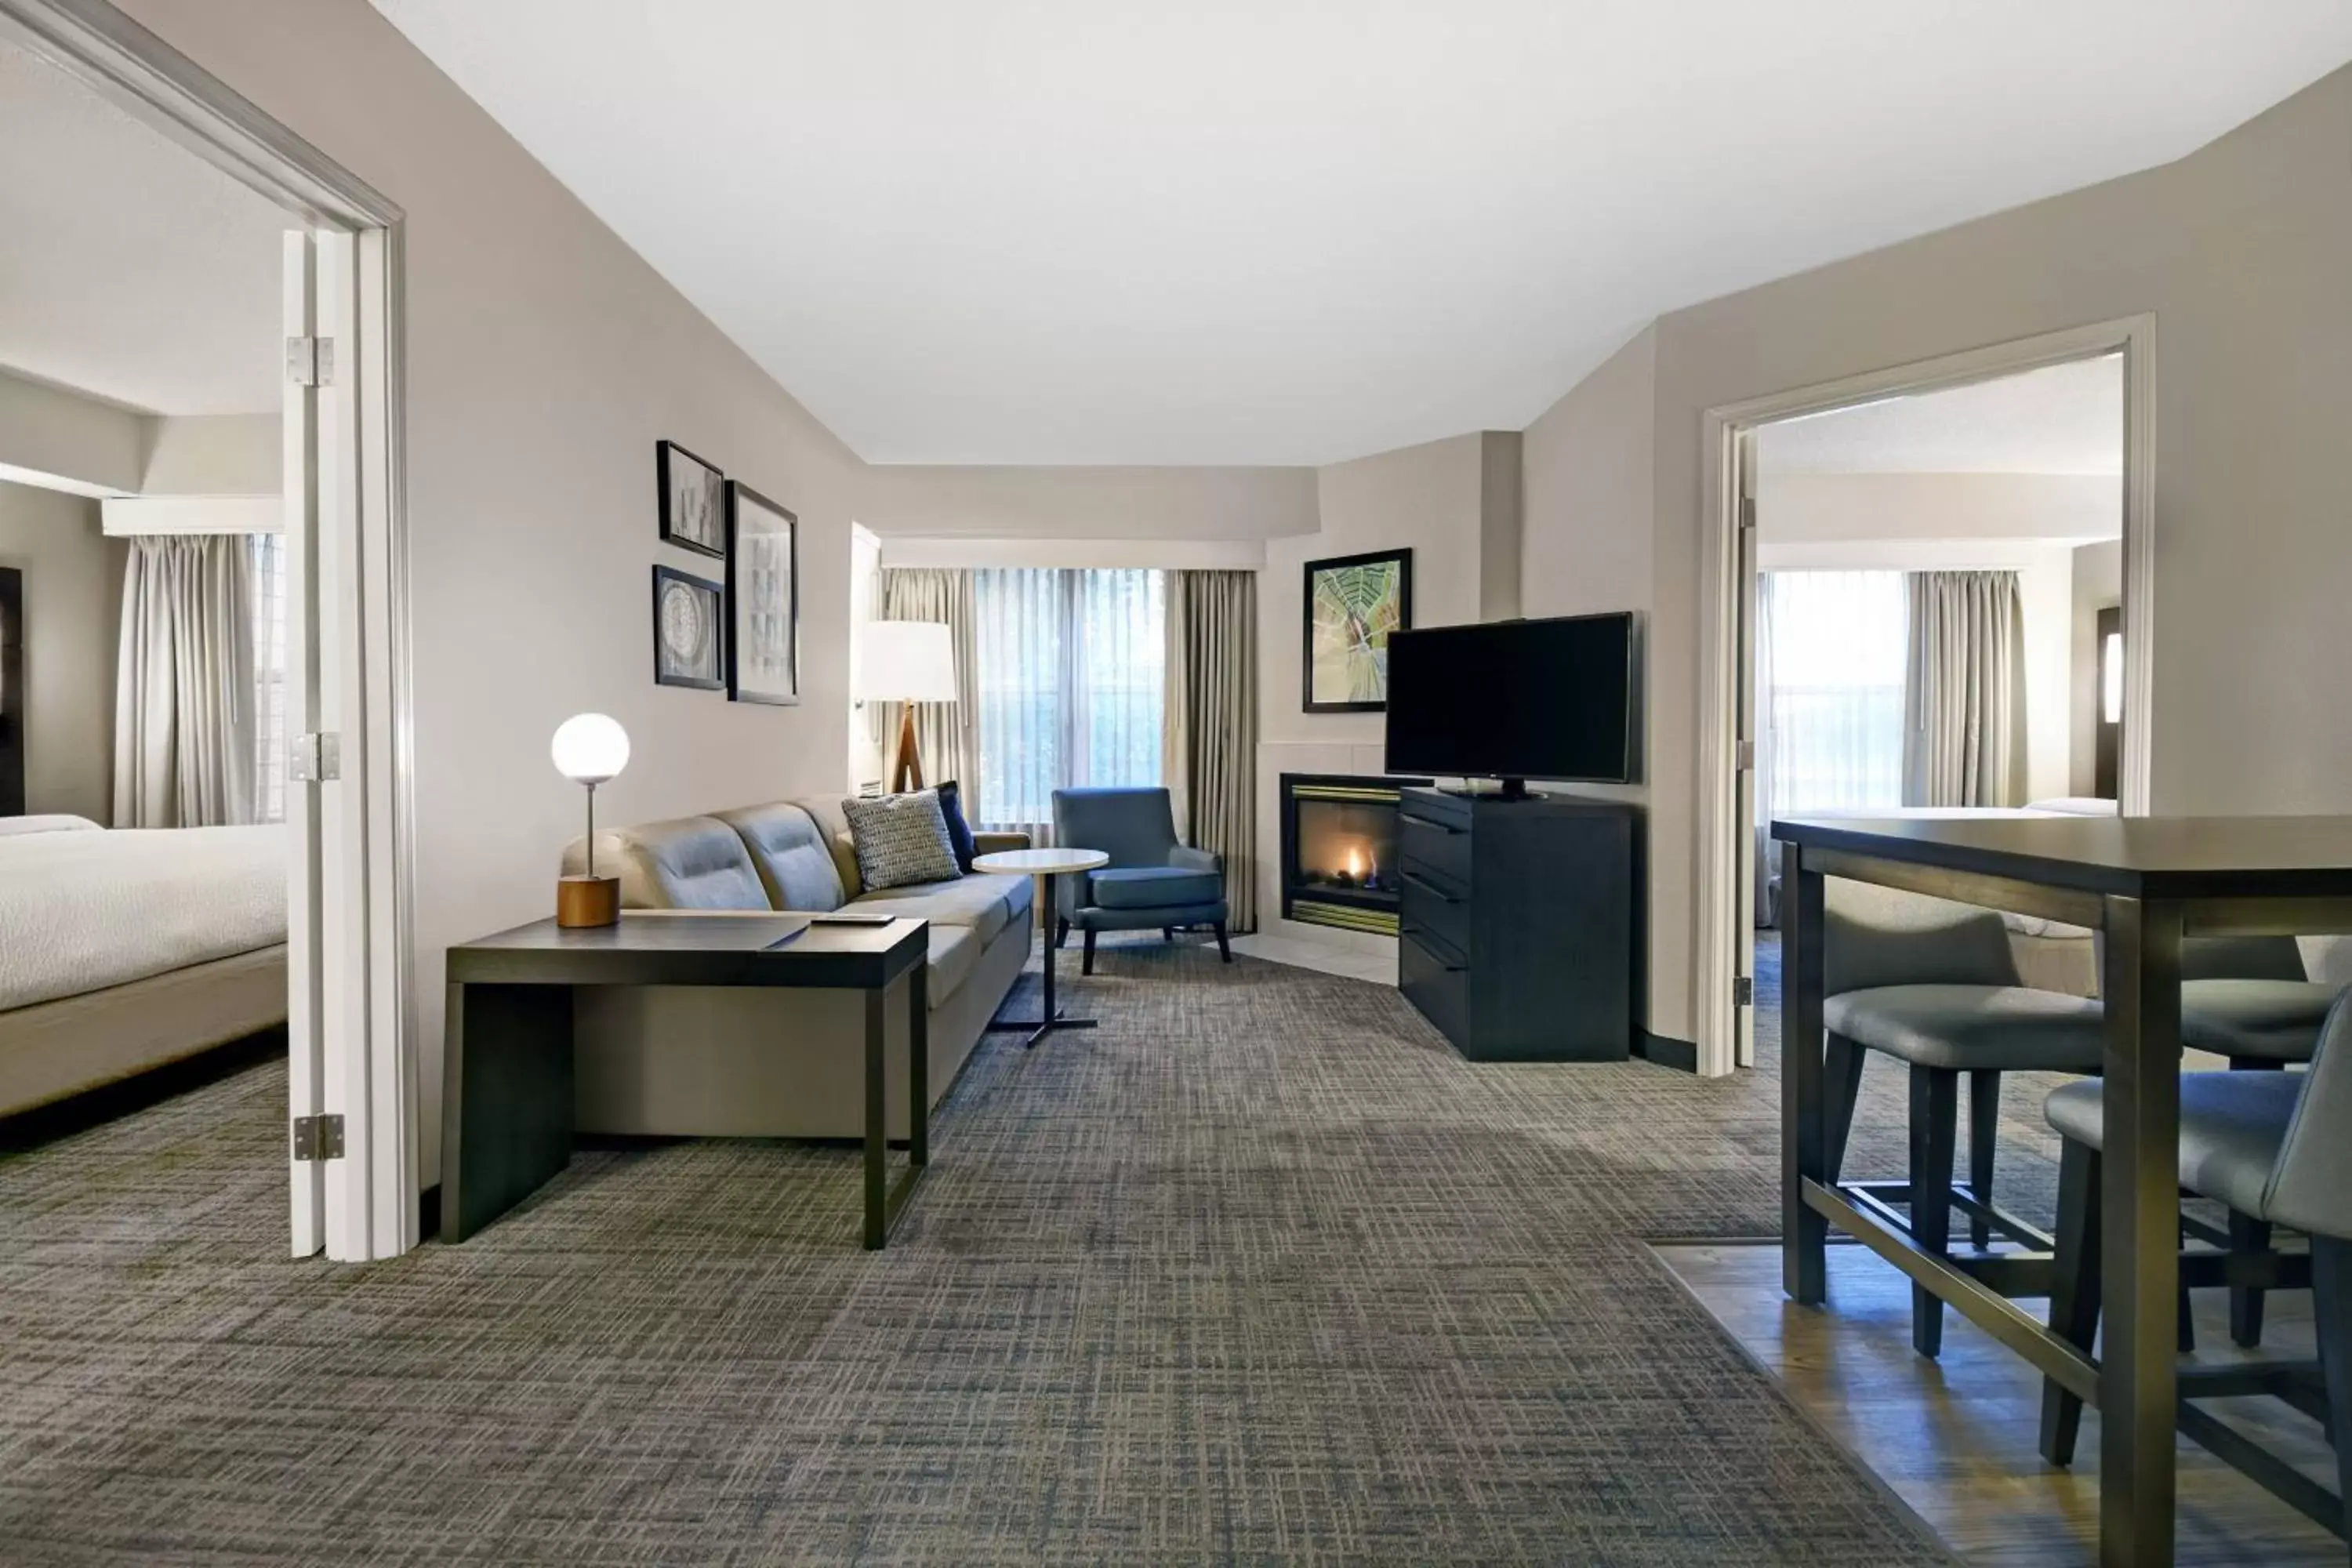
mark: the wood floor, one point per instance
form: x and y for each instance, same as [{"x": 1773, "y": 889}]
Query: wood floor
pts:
[{"x": 1955, "y": 1439}]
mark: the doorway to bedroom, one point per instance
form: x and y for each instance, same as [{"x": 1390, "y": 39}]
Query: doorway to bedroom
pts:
[
  {"x": 1923, "y": 609},
  {"x": 202, "y": 799}
]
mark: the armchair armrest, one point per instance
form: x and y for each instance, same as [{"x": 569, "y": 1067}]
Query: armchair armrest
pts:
[
  {"x": 1192, "y": 859},
  {"x": 997, "y": 843}
]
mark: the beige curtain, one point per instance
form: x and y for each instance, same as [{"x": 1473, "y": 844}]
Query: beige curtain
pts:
[
  {"x": 1963, "y": 697},
  {"x": 942, "y": 730},
  {"x": 1210, "y": 725},
  {"x": 184, "y": 703}
]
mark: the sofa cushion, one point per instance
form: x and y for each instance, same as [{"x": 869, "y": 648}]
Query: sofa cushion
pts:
[
  {"x": 833, "y": 826},
  {"x": 986, "y": 901},
  {"x": 1155, "y": 886},
  {"x": 901, "y": 839},
  {"x": 955, "y": 951},
  {"x": 685, "y": 863},
  {"x": 791, "y": 854}
]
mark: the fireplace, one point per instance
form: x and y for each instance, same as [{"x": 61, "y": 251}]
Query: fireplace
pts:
[{"x": 1339, "y": 851}]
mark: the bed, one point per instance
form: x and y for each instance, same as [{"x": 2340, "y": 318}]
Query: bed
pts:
[{"x": 124, "y": 949}]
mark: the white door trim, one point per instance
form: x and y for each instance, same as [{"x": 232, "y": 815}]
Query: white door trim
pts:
[
  {"x": 1719, "y": 898},
  {"x": 372, "y": 1052}
]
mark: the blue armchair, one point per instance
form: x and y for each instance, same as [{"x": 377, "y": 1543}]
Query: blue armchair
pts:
[{"x": 1151, "y": 880}]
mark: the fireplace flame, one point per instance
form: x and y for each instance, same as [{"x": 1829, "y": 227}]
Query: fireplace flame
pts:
[{"x": 1356, "y": 862}]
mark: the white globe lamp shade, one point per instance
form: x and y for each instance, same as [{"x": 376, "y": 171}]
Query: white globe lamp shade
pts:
[{"x": 589, "y": 749}]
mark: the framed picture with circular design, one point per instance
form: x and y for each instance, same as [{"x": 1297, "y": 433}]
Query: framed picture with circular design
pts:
[{"x": 690, "y": 631}]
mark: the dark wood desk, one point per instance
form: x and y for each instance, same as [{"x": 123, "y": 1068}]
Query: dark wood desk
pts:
[
  {"x": 2146, "y": 883},
  {"x": 506, "y": 1108}
]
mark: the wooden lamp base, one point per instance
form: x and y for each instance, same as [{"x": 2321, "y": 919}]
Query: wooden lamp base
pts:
[{"x": 587, "y": 900}]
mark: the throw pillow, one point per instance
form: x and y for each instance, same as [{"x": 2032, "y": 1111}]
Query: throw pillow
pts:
[
  {"x": 901, "y": 839},
  {"x": 959, "y": 830}
]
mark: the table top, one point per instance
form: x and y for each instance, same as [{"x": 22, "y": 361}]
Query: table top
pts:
[
  {"x": 714, "y": 947},
  {"x": 1040, "y": 862},
  {"x": 2147, "y": 856}
]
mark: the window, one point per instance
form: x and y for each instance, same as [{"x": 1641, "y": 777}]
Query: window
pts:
[
  {"x": 1832, "y": 647},
  {"x": 1070, "y": 686},
  {"x": 268, "y": 560}
]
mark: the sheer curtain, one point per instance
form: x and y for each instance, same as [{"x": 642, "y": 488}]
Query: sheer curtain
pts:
[
  {"x": 268, "y": 555},
  {"x": 184, "y": 743},
  {"x": 1832, "y": 655},
  {"x": 1071, "y": 687}
]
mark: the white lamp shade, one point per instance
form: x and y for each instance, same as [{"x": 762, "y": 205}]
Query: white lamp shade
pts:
[
  {"x": 905, "y": 661},
  {"x": 589, "y": 749}
]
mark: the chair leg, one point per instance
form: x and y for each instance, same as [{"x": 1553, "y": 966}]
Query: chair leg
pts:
[
  {"x": 1061, "y": 932},
  {"x": 1168, "y": 933},
  {"x": 2074, "y": 1295},
  {"x": 2247, "y": 1233},
  {"x": 1225, "y": 948},
  {"x": 1935, "y": 1126},
  {"x": 1842, "y": 1083},
  {"x": 1984, "y": 1137},
  {"x": 2331, "y": 1302},
  {"x": 1089, "y": 967}
]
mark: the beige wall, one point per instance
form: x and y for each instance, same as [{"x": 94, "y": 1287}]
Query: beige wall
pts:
[
  {"x": 1146, "y": 503},
  {"x": 2074, "y": 507},
  {"x": 215, "y": 454},
  {"x": 73, "y": 597},
  {"x": 2239, "y": 251},
  {"x": 545, "y": 358}
]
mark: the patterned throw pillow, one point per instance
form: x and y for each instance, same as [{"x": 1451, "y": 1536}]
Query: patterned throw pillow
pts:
[{"x": 901, "y": 839}]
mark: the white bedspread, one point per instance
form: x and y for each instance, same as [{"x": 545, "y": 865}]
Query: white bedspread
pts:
[{"x": 83, "y": 910}]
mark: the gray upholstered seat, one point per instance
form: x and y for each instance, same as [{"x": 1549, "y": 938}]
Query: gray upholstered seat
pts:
[
  {"x": 2001, "y": 1028},
  {"x": 2253, "y": 1021},
  {"x": 1151, "y": 881},
  {"x": 2231, "y": 1126},
  {"x": 2277, "y": 1149},
  {"x": 987, "y": 900}
]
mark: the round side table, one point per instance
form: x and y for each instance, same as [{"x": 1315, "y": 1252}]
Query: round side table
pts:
[{"x": 1044, "y": 864}]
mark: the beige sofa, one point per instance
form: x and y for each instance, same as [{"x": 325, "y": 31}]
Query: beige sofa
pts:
[{"x": 725, "y": 1062}]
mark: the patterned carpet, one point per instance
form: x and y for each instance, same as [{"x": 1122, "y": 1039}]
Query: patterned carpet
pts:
[{"x": 1258, "y": 1271}]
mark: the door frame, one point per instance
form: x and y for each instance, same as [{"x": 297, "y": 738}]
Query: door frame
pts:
[
  {"x": 371, "y": 1203},
  {"x": 1722, "y": 899}
]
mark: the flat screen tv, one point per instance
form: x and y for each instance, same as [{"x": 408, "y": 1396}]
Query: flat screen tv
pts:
[{"x": 1514, "y": 700}]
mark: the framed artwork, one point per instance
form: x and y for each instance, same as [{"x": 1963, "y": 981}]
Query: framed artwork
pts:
[
  {"x": 690, "y": 631},
  {"x": 763, "y": 599},
  {"x": 1352, "y": 603},
  {"x": 693, "y": 499}
]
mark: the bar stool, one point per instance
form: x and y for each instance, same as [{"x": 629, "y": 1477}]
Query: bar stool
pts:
[
  {"x": 2276, "y": 1147},
  {"x": 2247, "y": 998},
  {"x": 1934, "y": 985}
]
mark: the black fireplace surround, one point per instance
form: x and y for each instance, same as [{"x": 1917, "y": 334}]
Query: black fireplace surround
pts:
[{"x": 1339, "y": 851}]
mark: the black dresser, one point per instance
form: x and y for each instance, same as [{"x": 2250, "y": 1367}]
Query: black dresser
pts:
[{"x": 1517, "y": 935}]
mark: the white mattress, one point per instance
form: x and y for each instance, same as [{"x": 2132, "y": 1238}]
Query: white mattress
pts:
[{"x": 84, "y": 909}]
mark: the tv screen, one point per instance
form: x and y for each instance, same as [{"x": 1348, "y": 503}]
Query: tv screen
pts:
[{"x": 1521, "y": 699}]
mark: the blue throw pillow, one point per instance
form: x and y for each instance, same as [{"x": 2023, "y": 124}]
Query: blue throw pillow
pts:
[{"x": 959, "y": 830}]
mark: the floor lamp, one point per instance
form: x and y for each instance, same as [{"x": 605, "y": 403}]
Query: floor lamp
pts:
[{"x": 906, "y": 662}]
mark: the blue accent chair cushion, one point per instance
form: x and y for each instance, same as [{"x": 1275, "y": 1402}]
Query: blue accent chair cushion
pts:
[{"x": 1155, "y": 886}]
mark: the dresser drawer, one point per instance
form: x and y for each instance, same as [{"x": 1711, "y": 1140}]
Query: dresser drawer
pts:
[
  {"x": 1428, "y": 904},
  {"x": 1436, "y": 982},
  {"x": 1436, "y": 847}
]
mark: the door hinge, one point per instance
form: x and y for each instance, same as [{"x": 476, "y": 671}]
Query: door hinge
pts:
[
  {"x": 1743, "y": 991},
  {"x": 1745, "y": 758},
  {"x": 314, "y": 757},
  {"x": 310, "y": 362},
  {"x": 318, "y": 1138},
  {"x": 1746, "y": 511}
]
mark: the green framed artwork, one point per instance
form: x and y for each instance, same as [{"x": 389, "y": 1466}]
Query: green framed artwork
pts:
[{"x": 1353, "y": 603}]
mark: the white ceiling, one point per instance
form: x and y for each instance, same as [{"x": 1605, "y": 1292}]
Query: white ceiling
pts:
[
  {"x": 2067, "y": 419},
  {"x": 1295, "y": 231},
  {"x": 129, "y": 268}
]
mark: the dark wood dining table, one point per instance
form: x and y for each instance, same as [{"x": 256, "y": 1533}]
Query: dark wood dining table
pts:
[{"x": 2145, "y": 883}]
